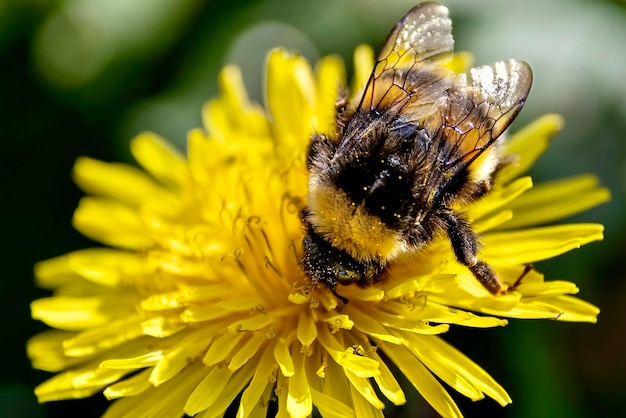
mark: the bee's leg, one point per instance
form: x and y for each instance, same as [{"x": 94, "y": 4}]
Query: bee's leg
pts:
[
  {"x": 487, "y": 277},
  {"x": 527, "y": 269},
  {"x": 466, "y": 246}
]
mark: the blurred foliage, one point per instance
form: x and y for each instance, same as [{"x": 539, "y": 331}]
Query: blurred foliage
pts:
[{"x": 81, "y": 77}]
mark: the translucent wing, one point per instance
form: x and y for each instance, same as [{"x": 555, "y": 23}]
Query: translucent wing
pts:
[
  {"x": 481, "y": 106},
  {"x": 408, "y": 69},
  {"x": 423, "y": 37},
  {"x": 411, "y": 85}
]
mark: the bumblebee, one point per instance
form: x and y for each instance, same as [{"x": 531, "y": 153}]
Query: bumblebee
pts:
[{"x": 421, "y": 141}]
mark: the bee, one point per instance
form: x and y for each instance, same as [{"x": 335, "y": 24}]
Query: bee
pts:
[{"x": 421, "y": 141}]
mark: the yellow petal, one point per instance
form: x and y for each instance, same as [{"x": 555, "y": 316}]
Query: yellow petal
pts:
[
  {"x": 359, "y": 365},
  {"x": 362, "y": 407},
  {"x": 281, "y": 394},
  {"x": 330, "y": 78},
  {"x": 45, "y": 351},
  {"x": 166, "y": 400},
  {"x": 254, "y": 323},
  {"x": 198, "y": 146},
  {"x": 338, "y": 322},
  {"x": 208, "y": 390},
  {"x": 422, "y": 380},
  {"x": 417, "y": 319},
  {"x": 245, "y": 352},
  {"x": 329, "y": 407},
  {"x": 104, "y": 337},
  {"x": 175, "y": 360},
  {"x": 55, "y": 272},
  {"x": 455, "y": 369},
  {"x": 231, "y": 116},
  {"x": 386, "y": 381},
  {"x": 79, "y": 313},
  {"x": 290, "y": 96},
  {"x": 264, "y": 375},
  {"x": 122, "y": 182},
  {"x": 223, "y": 115},
  {"x": 363, "y": 66},
  {"x": 79, "y": 383},
  {"x": 492, "y": 222},
  {"x": 560, "y": 307},
  {"x": 335, "y": 383},
  {"x": 574, "y": 309},
  {"x": 436, "y": 283},
  {"x": 306, "y": 331},
  {"x": 531, "y": 309},
  {"x": 551, "y": 288},
  {"x": 536, "y": 244},
  {"x": 283, "y": 358},
  {"x": 161, "y": 327},
  {"x": 111, "y": 223},
  {"x": 222, "y": 347},
  {"x": 260, "y": 408},
  {"x": 160, "y": 159},
  {"x": 556, "y": 200},
  {"x": 132, "y": 363},
  {"x": 364, "y": 387},
  {"x": 299, "y": 402},
  {"x": 369, "y": 294},
  {"x": 107, "y": 266},
  {"x": 500, "y": 196},
  {"x": 131, "y": 386},
  {"x": 369, "y": 326},
  {"x": 233, "y": 388},
  {"x": 529, "y": 143}
]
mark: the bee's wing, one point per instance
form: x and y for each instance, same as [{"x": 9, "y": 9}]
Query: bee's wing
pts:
[
  {"x": 410, "y": 84},
  {"x": 481, "y": 106},
  {"x": 409, "y": 63}
]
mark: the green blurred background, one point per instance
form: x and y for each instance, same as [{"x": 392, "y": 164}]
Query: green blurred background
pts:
[{"x": 81, "y": 77}]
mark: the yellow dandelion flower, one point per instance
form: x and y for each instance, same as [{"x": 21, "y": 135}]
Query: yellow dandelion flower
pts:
[{"x": 198, "y": 295}]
